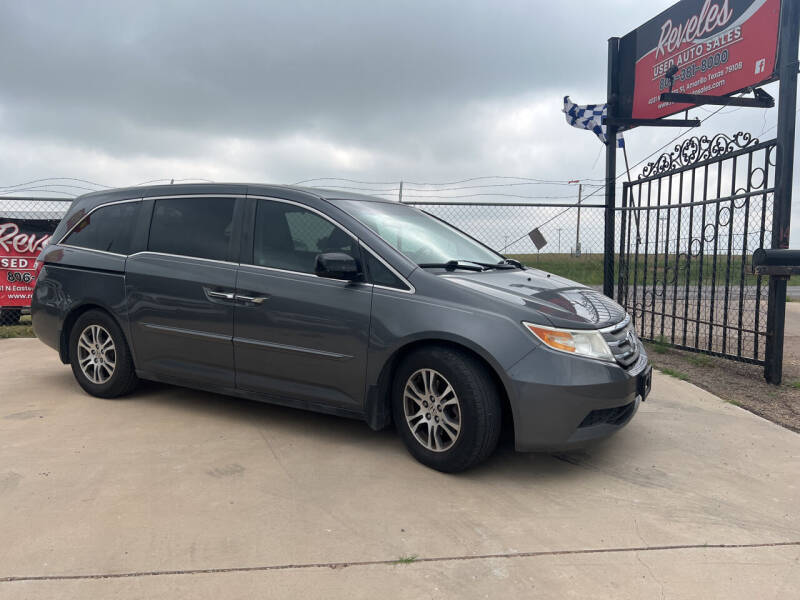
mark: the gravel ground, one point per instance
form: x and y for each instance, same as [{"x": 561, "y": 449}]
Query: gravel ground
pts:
[{"x": 743, "y": 384}]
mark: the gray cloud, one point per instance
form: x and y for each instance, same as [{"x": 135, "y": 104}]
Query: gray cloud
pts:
[
  {"x": 281, "y": 91},
  {"x": 363, "y": 70}
]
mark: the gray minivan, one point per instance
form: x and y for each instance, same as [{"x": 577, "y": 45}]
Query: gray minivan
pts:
[{"x": 338, "y": 303}]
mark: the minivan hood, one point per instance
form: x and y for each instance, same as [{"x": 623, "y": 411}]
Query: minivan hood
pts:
[{"x": 564, "y": 303}]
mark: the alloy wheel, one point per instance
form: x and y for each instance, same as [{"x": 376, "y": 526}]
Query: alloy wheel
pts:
[
  {"x": 97, "y": 354},
  {"x": 432, "y": 410}
]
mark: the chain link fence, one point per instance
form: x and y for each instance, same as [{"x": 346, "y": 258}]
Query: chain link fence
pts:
[
  {"x": 573, "y": 239},
  {"x": 573, "y": 235}
]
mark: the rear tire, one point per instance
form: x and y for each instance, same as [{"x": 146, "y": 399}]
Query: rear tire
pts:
[
  {"x": 99, "y": 355},
  {"x": 447, "y": 408}
]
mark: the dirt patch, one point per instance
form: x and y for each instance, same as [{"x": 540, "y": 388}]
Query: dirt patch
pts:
[{"x": 741, "y": 384}]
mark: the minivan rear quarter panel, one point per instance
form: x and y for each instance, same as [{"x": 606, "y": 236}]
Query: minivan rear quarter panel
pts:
[{"x": 71, "y": 279}]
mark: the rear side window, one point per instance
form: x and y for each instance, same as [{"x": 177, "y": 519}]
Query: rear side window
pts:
[
  {"x": 109, "y": 228},
  {"x": 199, "y": 227},
  {"x": 289, "y": 237}
]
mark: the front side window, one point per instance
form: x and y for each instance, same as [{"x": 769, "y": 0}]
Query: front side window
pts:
[
  {"x": 289, "y": 237},
  {"x": 419, "y": 236},
  {"x": 109, "y": 228},
  {"x": 199, "y": 227}
]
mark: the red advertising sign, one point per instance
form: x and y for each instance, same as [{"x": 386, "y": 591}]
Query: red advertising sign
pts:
[
  {"x": 718, "y": 47},
  {"x": 20, "y": 243}
]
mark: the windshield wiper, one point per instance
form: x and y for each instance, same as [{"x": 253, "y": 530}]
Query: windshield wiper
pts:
[
  {"x": 452, "y": 265},
  {"x": 513, "y": 263},
  {"x": 474, "y": 265},
  {"x": 502, "y": 265}
]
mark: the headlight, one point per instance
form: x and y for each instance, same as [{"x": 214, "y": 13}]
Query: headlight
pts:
[{"x": 582, "y": 342}]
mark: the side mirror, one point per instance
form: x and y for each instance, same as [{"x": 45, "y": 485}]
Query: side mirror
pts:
[{"x": 337, "y": 265}]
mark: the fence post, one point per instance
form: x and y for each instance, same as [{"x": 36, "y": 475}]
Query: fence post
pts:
[
  {"x": 622, "y": 271},
  {"x": 782, "y": 207},
  {"x": 611, "y": 168},
  {"x": 578, "y": 227}
]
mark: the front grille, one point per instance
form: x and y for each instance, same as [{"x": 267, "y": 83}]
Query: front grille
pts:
[
  {"x": 623, "y": 343},
  {"x": 613, "y": 416}
]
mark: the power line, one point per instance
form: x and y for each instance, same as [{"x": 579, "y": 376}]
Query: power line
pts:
[
  {"x": 173, "y": 180},
  {"x": 362, "y": 189},
  {"x": 345, "y": 180},
  {"x": 41, "y": 189},
  {"x": 711, "y": 112},
  {"x": 384, "y": 191},
  {"x": 675, "y": 139},
  {"x": 483, "y": 196},
  {"x": 101, "y": 185},
  {"x": 776, "y": 125},
  {"x": 680, "y": 135},
  {"x": 493, "y": 185},
  {"x": 522, "y": 180},
  {"x": 47, "y": 188},
  {"x": 8, "y": 187},
  {"x": 517, "y": 181},
  {"x": 529, "y": 179}
]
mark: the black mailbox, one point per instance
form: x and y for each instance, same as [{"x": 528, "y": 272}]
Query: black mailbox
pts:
[{"x": 778, "y": 262}]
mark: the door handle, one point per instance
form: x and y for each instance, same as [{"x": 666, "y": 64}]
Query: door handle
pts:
[
  {"x": 218, "y": 295},
  {"x": 251, "y": 299}
]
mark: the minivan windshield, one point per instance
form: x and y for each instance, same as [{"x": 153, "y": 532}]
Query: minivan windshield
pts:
[{"x": 422, "y": 238}]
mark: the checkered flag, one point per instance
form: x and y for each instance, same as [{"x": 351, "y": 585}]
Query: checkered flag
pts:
[{"x": 589, "y": 116}]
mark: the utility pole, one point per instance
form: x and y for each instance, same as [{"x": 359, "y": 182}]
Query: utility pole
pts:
[
  {"x": 400, "y": 195},
  {"x": 578, "y": 228}
]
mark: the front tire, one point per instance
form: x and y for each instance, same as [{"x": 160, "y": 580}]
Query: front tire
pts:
[
  {"x": 447, "y": 408},
  {"x": 99, "y": 355}
]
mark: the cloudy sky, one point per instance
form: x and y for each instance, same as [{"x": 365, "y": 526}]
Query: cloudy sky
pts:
[{"x": 125, "y": 92}]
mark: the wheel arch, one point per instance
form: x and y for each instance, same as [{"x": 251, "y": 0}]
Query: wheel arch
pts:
[
  {"x": 69, "y": 322},
  {"x": 379, "y": 398}
]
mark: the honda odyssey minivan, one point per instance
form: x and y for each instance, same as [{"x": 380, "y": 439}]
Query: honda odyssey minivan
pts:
[{"x": 337, "y": 303}]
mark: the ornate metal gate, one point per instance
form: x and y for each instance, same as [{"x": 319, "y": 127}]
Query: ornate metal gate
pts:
[{"x": 688, "y": 227}]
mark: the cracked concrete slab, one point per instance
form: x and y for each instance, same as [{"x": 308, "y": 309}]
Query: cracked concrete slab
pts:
[
  {"x": 171, "y": 479},
  {"x": 673, "y": 574}
]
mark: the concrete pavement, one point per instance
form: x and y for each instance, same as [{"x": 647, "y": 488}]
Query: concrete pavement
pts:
[{"x": 176, "y": 493}]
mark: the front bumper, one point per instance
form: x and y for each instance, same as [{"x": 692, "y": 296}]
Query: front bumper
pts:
[{"x": 561, "y": 402}]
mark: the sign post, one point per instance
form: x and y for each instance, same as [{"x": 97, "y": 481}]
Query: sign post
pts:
[
  {"x": 611, "y": 166},
  {"x": 784, "y": 159}
]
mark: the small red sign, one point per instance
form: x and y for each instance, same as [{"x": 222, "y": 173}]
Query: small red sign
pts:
[
  {"x": 714, "y": 47},
  {"x": 20, "y": 244}
]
